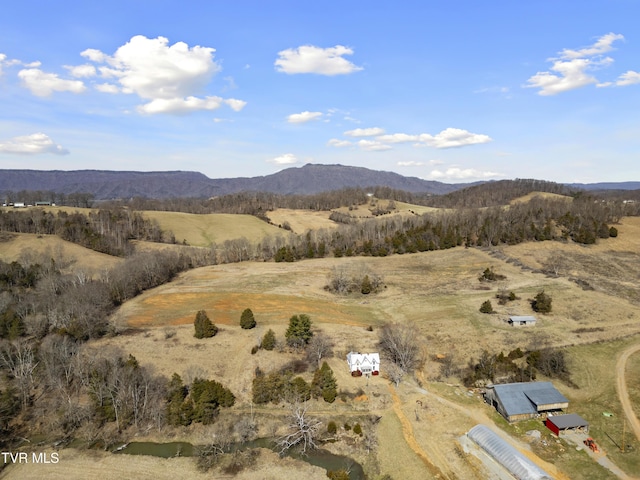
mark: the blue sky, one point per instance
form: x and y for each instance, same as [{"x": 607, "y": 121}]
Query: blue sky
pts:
[{"x": 449, "y": 91}]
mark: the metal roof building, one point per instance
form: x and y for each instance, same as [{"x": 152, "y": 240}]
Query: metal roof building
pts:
[
  {"x": 522, "y": 320},
  {"x": 519, "y": 401},
  {"x": 571, "y": 421},
  {"x": 511, "y": 459}
]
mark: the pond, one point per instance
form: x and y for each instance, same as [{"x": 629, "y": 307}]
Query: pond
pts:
[{"x": 319, "y": 458}]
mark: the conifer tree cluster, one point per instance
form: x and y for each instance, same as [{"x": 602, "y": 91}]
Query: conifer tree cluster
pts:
[
  {"x": 200, "y": 403},
  {"x": 299, "y": 332}
]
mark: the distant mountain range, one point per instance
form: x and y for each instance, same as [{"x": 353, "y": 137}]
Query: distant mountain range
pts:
[{"x": 309, "y": 179}]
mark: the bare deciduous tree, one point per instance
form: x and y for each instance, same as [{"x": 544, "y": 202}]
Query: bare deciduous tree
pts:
[
  {"x": 401, "y": 345},
  {"x": 18, "y": 358},
  {"x": 320, "y": 346},
  {"x": 302, "y": 430}
]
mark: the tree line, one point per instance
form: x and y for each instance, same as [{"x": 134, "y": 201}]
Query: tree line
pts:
[{"x": 107, "y": 231}]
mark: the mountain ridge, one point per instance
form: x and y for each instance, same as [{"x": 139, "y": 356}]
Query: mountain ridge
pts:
[{"x": 308, "y": 179}]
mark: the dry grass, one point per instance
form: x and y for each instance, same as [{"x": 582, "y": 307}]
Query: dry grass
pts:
[
  {"x": 203, "y": 230},
  {"x": 302, "y": 220},
  {"x": 83, "y": 464},
  {"x": 544, "y": 195},
  {"x": 14, "y": 246}
]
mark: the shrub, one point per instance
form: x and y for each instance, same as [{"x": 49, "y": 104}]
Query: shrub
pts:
[
  {"x": 541, "y": 303},
  {"x": 486, "y": 307},
  {"x": 332, "y": 428},
  {"x": 357, "y": 429},
  {"x": 247, "y": 320},
  {"x": 365, "y": 286},
  {"x": 338, "y": 474},
  {"x": 490, "y": 276},
  {"x": 254, "y": 349},
  {"x": 204, "y": 328},
  {"x": 613, "y": 232},
  {"x": 269, "y": 340}
]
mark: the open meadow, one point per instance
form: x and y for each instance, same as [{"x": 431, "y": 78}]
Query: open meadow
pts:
[
  {"x": 412, "y": 430},
  {"x": 437, "y": 292}
]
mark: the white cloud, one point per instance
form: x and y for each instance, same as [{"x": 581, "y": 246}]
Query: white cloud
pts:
[
  {"x": 572, "y": 75},
  {"x": 303, "y": 117},
  {"x": 169, "y": 76},
  {"x": 601, "y": 46},
  {"x": 453, "y": 137},
  {"x": 44, "y": 84},
  {"x": 364, "y": 132},
  {"x": 82, "y": 71},
  {"x": 312, "y": 59},
  {"x": 286, "y": 159},
  {"x": 336, "y": 142},
  {"x": 456, "y": 173},
  {"x": 411, "y": 163},
  {"x": 33, "y": 144},
  {"x": 235, "y": 104},
  {"x": 107, "y": 88},
  {"x": 447, "y": 138},
  {"x": 373, "y": 145},
  {"x": 9, "y": 63},
  {"x": 181, "y": 106},
  {"x": 398, "y": 138},
  {"x": 572, "y": 69},
  {"x": 628, "y": 78}
]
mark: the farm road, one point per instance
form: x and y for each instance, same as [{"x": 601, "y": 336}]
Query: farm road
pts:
[{"x": 623, "y": 393}]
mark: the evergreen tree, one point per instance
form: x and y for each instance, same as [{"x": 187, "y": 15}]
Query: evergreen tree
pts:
[
  {"x": 247, "y": 320},
  {"x": 299, "y": 332},
  {"x": 541, "y": 303},
  {"x": 324, "y": 384},
  {"x": 204, "y": 328},
  {"x": 269, "y": 340},
  {"x": 366, "y": 287},
  {"x": 486, "y": 307}
]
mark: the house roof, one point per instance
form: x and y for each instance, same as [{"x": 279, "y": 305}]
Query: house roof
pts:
[
  {"x": 527, "y": 398},
  {"x": 570, "y": 420},
  {"x": 522, "y": 318},
  {"x": 356, "y": 359}
]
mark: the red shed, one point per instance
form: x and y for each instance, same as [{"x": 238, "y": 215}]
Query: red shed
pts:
[{"x": 571, "y": 421}]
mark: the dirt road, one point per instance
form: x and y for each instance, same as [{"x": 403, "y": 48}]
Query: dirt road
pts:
[{"x": 621, "y": 386}]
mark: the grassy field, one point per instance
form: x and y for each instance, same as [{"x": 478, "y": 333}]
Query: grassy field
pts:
[
  {"x": 16, "y": 246},
  {"x": 203, "y": 230}
]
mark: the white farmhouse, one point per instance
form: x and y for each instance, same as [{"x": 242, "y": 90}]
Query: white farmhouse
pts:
[{"x": 363, "y": 363}]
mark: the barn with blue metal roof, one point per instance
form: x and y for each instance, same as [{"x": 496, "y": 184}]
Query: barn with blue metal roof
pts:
[{"x": 520, "y": 401}]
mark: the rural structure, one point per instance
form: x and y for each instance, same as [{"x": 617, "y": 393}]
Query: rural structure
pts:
[
  {"x": 363, "y": 363},
  {"x": 507, "y": 456},
  {"x": 522, "y": 321},
  {"x": 569, "y": 422},
  {"x": 520, "y": 401}
]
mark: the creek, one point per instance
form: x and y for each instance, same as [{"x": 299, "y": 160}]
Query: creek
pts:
[{"x": 319, "y": 458}]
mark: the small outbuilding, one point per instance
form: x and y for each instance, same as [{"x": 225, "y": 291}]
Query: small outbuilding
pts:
[
  {"x": 522, "y": 321},
  {"x": 363, "y": 363},
  {"x": 569, "y": 422}
]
